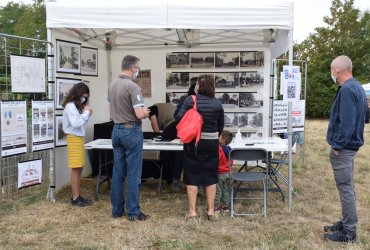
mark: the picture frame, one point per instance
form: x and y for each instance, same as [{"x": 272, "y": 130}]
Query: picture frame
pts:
[
  {"x": 63, "y": 85},
  {"x": 204, "y": 60},
  {"x": 60, "y": 136},
  {"x": 68, "y": 58},
  {"x": 178, "y": 60},
  {"x": 227, "y": 59},
  {"x": 89, "y": 61}
]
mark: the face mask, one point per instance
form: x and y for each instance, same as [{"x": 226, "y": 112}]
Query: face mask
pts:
[
  {"x": 334, "y": 78},
  {"x": 83, "y": 100},
  {"x": 136, "y": 73}
]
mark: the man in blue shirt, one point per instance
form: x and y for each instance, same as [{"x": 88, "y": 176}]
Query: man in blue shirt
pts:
[{"x": 345, "y": 135}]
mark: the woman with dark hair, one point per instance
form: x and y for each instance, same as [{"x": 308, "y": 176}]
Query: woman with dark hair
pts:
[
  {"x": 201, "y": 161},
  {"x": 75, "y": 115}
]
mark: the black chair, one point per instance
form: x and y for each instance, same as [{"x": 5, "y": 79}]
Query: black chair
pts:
[{"x": 237, "y": 179}]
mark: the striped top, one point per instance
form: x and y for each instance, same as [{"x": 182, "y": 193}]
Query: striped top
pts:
[{"x": 73, "y": 121}]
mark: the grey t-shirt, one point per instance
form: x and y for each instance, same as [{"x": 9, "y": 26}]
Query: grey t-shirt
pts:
[{"x": 124, "y": 95}]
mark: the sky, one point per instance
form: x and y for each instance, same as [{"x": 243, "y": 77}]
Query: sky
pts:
[{"x": 308, "y": 14}]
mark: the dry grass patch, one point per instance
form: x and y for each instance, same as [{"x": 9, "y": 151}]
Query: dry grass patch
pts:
[{"x": 42, "y": 225}]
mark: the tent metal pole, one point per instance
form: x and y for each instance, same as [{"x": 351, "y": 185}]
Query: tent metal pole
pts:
[
  {"x": 290, "y": 128},
  {"x": 50, "y": 74}
]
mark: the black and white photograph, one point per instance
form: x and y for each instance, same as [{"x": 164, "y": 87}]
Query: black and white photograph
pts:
[
  {"x": 250, "y": 120},
  {"x": 226, "y": 80},
  {"x": 231, "y": 120},
  {"x": 63, "y": 85},
  {"x": 251, "y": 78},
  {"x": 250, "y": 100},
  {"x": 228, "y": 100},
  {"x": 60, "y": 136},
  {"x": 68, "y": 57},
  {"x": 252, "y": 59},
  {"x": 195, "y": 75},
  {"x": 89, "y": 61},
  {"x": 202, "y": 60},
  {"x": 174, "y": 97},
  {"x": 178, "y": 60},
  {"x": 177, "y": 80},
  {"x": 227, "y": 60}
]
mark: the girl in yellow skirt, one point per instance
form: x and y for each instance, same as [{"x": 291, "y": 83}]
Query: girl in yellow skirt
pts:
[{"x": 75, "y": 115}]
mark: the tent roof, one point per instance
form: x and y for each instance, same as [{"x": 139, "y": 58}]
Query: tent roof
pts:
[
  {"x": 190, "y": 14},
  {"x": 172, "y": 22}
]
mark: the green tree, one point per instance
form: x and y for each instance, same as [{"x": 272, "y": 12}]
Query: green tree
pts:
[{"x": 347, "y": 32}]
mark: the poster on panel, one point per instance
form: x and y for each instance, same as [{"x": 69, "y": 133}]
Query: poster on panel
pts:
[
  {"x": 144, "y": 80},
  {"x": 13, "y": 128},
  {"x": 28, "y": 74},
  {"x": 280, "y": 116},
  {"x": 42, "y": 125},
  {"x": 29, "y": 173}
]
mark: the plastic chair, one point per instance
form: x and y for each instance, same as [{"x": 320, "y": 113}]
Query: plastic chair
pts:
[{"x": 241, "y": 177}]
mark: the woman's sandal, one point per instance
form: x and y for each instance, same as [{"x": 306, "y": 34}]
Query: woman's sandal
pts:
[
  {"x": 212, "y": 217},
  {"x": 188, "y": 217}
]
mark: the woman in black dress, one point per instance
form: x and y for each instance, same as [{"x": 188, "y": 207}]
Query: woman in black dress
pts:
[{"x": 201, "y": 161}]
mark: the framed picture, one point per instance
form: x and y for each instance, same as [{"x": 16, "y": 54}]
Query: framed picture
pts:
[
  {"x": 227, "y": 60},
  {"x": 177, "y": 60},
  {"x": 250, "y": 100},
  {"x": 63, "y": 85},
  {"x": 177, "y": 80},
  {"x": 226, "y": 80},
  {"x": 89, "y": 61},
  {"x": 68, "y": 57},
  {"x": 252, "y": 59},
  {"x": 60, "y": 136},
  {"x": 202, "y": 60},
  {"x": 228, "y": 100}
]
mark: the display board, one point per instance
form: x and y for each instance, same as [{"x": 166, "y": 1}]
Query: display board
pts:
[
  {"x": 28, "y": 74},
  {"x": 42, "y": 125},
  {"x": 280, "y": 116},
  {"x": 239, "y": 83},
  {"x": 13, "y": 128},
  {"x": 29, "y": 173}
]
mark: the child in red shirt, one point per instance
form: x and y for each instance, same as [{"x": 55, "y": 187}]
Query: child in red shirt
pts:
[{"x": 222, "y": 199}]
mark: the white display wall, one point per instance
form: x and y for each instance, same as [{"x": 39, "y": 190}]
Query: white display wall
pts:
[
  {"x": 98, "y": 102},
  {"x": 155, "y": 61}
]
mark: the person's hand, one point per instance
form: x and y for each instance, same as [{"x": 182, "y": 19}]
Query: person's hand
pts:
[
  {"x": 147, "y": 111},
  {"x": 88, "y": 108},
  {"x": 336, "y": 152}
]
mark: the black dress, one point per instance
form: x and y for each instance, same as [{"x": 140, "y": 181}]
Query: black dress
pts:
[{"x": 201, "y": 162}]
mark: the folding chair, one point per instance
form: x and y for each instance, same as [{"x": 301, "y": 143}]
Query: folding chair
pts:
[
  {"x": 236, "y": 179},
  {"x": 278, "y": 163}
]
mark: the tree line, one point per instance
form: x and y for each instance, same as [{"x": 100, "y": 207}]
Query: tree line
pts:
[{"x": 346, "y": 31}]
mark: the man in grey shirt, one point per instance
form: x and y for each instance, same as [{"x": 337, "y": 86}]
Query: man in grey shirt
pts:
[{"x": 127, "y": 111}]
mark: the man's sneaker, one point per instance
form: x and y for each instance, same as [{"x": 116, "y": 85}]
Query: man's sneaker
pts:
[
  {"x": 141, "y": 217},
  {"x": 175, "y": 185},
  {"x": 225, "y": 209},
  {"x": 337, "y": 226},
  {"x": 341, "y": 236},
  {"x": 79, "y": 202}
]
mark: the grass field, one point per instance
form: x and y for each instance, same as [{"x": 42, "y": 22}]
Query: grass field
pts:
[{"x": 42, "y": 225}]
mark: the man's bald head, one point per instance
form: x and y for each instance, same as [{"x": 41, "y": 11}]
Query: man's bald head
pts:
[
  {"x": 342, "y": 64},
  {"x": 341, "y": 69}
]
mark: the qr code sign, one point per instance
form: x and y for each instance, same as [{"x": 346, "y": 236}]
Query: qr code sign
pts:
[{"x": 291, "y": 91}]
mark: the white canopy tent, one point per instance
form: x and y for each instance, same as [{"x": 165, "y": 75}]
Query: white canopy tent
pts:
[
  {"x": 185, "y": 23},
  {"x": 170, "y": 25}
]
